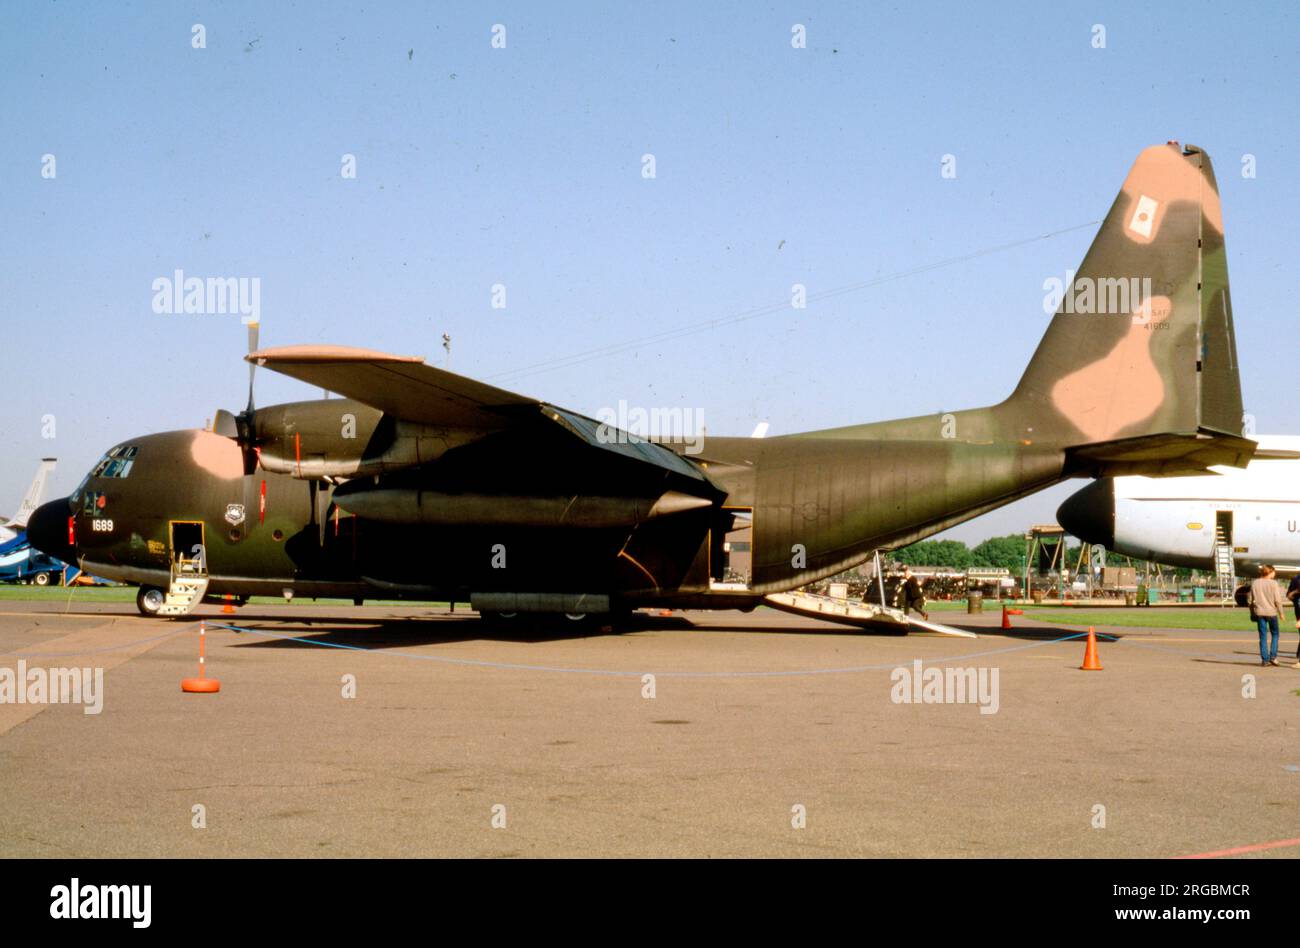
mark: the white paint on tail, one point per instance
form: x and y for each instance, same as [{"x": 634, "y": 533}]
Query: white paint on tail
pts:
[{"x": 34, "y": 497}]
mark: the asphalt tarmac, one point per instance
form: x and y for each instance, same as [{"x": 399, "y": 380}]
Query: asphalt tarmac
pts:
[{"x": 767, "y": 735}]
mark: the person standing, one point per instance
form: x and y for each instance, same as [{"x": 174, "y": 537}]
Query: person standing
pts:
[
  {"x": 913, "y": 595},
  {"x": 1293, "y": 593},
  {"x": 1266, "y": 604}
]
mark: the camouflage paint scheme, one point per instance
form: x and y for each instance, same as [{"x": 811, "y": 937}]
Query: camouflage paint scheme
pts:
[{"x": 446, "y": 487}]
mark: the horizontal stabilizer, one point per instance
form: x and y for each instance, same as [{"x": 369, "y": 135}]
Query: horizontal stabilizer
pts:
[{"x": 1160, "y": 455}]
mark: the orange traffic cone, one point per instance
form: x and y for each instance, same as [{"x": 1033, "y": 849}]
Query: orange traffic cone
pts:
[
  {"x": 1091, "y": 663},
  {"x": 201, "y": 685},
  {"x": 1007, "y": 613},
  {"x": 228, "y": 608}
]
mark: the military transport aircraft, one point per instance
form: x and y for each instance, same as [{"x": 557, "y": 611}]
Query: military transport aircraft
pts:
[
  {"x": 424, "y": 484},
  {"x": 1229, "y": 521}
]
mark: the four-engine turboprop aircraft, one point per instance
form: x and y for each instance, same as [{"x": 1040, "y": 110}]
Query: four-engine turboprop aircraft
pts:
[{"x": 425, "y": 484}]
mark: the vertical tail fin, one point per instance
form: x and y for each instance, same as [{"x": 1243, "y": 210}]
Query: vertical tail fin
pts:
[
  {"x": 35, "y": 495},
  {"x": 1142, "y": 342}
]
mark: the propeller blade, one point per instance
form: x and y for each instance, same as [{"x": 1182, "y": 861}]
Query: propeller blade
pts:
[
  {"x": 252, "y": 366},
  {"x": 225, "y": 424}
]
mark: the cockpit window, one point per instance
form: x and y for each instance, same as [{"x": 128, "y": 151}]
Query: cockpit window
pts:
[
  {"x": 76, "y": 494},
  {"x": 116, "y": 463}
]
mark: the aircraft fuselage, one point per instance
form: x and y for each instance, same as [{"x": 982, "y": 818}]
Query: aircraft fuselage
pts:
[{"x": 563, "y": 518}]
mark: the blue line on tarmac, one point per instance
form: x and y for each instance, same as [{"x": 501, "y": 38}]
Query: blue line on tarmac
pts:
[
  {"x": 517, "y": 666},
  {"x": 613, "y": 673}
]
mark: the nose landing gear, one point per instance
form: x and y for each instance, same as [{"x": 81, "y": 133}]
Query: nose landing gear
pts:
[{"x": 149, "y": 600}]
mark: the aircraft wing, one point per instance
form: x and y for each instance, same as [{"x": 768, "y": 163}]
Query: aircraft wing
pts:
[
  {"x": 407, "y": 388},
  {"x": 401, "y": 386}
]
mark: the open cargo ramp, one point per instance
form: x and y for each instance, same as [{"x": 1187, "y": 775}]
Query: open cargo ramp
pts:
[{"x": 864, "y": 615}]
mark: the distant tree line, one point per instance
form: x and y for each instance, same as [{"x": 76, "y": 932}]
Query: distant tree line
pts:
[{"x": 1007, "y": 552}]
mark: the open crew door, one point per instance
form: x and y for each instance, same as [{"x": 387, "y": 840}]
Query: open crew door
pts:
[
  {"x": 1223, "y": 527},
  {"x": 189, "y": 569},
  {"x": 187, "y": 550}
]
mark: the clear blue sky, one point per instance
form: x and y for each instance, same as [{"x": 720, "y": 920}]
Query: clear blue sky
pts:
[{"x": 522, "y": 166}]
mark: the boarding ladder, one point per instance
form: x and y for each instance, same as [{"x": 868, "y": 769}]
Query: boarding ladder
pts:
[
  {"x": 189, "y": 582},
  {"x": 1224, "y": 568}
]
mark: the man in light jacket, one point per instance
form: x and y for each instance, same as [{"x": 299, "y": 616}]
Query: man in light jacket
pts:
[{"x": 1266, "y": 604}]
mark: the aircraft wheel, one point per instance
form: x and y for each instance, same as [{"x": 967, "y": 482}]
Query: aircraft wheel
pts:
[
  {"x": 603, "y": 622},
  {"x": 41, "y": 579},
  {"x": 149, "y": 600}
]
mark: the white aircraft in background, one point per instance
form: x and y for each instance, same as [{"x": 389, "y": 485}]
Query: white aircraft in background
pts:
[
  {"x": 34, "y": 497},
  {"x": 1233, "y": 520}
]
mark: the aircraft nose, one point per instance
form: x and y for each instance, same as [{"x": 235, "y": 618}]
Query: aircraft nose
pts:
[
  {"x": 1089, "y": 514},
  {"x": 47, "y": 530}
]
